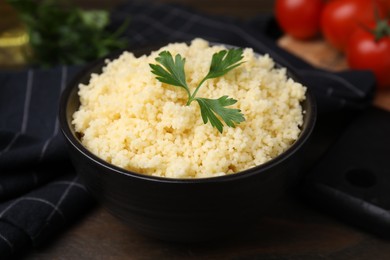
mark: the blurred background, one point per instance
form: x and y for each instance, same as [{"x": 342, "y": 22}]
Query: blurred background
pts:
[
  {"x": 13, "y": 37},
  {"x": 224, "y": 7}
]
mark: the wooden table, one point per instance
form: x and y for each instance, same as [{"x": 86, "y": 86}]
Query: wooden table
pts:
[{"x": 290, "y": 229}]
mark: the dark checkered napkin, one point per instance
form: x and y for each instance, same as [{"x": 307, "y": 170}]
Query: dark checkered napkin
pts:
[
  {"x": 39, "y": 190},
  {"x": 37, "y": 215}
]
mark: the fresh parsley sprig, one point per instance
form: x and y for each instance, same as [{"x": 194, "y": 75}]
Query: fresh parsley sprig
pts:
[
  {"x": 65, "y": 34},
  {"x": 171, "y": 71}
]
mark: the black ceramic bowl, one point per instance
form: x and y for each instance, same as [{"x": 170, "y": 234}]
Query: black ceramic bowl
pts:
[{"x": 183, "y": 209}]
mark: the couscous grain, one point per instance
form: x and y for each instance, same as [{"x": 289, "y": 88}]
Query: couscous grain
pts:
[{"x": 132, "y": 120}]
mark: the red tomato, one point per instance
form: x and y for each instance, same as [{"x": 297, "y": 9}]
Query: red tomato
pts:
[
  {"x": 299, "y": 18},
  {"x": 365, "y": 52},
  {"x": 341, "y": 17},
  {"x": 386, "y": 3}
]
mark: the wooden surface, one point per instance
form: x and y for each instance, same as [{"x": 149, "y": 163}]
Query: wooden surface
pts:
[{"x": 290, "y": 229}]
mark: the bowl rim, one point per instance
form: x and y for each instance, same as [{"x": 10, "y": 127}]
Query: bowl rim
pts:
[{"x": 66, "y": 128}]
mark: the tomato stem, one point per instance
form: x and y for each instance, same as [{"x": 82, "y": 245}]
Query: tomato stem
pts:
[{"x": 382, "y": 28}]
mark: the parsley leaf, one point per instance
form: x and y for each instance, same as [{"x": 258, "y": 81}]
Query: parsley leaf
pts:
[
  {"x": 210, "y": 107},
  {"x": 172, "y": 72},
  {"x": 223, "y": 62}
]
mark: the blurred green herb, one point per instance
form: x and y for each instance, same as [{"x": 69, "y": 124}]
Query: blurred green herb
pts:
[
  {"x": 172, "y": 72},
  {"x": 66, "y": 35}
]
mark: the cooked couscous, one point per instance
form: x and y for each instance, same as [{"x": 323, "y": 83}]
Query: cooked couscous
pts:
[{"x": 130, "y": 119}]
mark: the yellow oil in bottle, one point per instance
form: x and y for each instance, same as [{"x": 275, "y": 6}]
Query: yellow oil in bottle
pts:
[{"x": 13, "y": 38}]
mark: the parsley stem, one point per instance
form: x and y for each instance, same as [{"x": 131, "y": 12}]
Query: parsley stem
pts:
[{"x": 192, "y": 97}]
